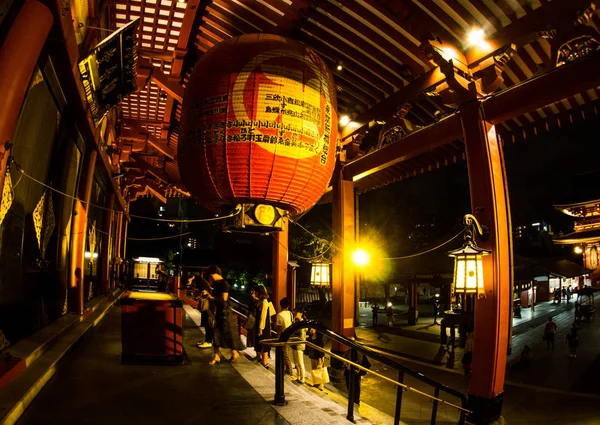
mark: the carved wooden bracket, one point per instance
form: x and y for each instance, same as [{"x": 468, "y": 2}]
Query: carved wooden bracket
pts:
[
  {"x": 351, "y": 149},
  {"x": 488, "y": 73},
  {"x": 577, "y": 38},
  {"x": 459, "y": 82}
]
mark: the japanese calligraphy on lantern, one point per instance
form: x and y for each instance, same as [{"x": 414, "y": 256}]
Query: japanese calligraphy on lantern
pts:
[
  {"x": 259, "y": 127},
  {"x": 290, "y": 116}
]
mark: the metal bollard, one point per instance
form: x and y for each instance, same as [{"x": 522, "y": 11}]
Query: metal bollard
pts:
[{"x": 279, "y": 378}]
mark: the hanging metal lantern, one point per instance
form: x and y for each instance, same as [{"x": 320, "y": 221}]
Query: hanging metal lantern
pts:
[
  {"x": 258, "y": 127},
  {"x": 319, "y": 275},
  {"x": 468, "y": 266}
]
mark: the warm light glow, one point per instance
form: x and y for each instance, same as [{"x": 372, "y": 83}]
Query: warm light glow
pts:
[
  {"x": 578, "y": 250},
  {"x": 468, "y": 269},
  {"x": 468, "y": 274},
  {"x": 389, "y": 304},
  {"x": 320, "y": 274},
  {"x": 476, "y": 37},
  {"x": 339, "y": 67},
  {"x": 360, "y": 257},
  {"x": 148, "y": 259},
  {"x": 344, "y": 120},
  {"x": 448, "y": 53}
]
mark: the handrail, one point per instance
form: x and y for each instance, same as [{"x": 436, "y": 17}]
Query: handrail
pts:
[
  {"x": 241, "y": 304},
  {"x": 297, "y": 341},
  {"x": 373, "y": 355},
  {"x": 247, "y": 309}
]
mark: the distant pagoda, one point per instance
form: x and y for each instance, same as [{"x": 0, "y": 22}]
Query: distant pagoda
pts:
[{"x": 586, "y": 234}]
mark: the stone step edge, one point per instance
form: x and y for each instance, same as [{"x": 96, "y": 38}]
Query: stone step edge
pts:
[
  {"x": 14, "y": 400},
  {"x": 376, "y": 416},
  {"x": 29, "y": 355}
]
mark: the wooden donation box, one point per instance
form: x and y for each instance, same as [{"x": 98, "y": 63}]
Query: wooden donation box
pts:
[{"x": 151, "y": 327}]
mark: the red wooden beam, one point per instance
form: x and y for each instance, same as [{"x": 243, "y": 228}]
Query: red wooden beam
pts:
[
  {"x": 421, "y": 141},
  {"x": 560, "y": 83},
  {"x": 387, "y": 108}
]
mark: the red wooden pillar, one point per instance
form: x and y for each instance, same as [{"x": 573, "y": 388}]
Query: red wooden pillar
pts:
[
  {"x": 280, "y": 263},
  {"x": 79, "y": 232},
  {"x": 123, "y": 266},
  {"x": 490, "y": 204},
  {"x": 342, "y": 285},
  {"x": 118, "y": 245},
  {"x": 18, "y": 57},
  {"x": 107, "y": 244}
]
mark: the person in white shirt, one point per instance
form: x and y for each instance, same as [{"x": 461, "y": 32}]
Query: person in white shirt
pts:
[
  {"x": 298, "y": 350},
  {"x": 285, "y": 318}
]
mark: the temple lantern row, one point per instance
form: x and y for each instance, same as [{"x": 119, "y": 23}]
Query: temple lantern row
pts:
[{"x": 258, "y": 129}]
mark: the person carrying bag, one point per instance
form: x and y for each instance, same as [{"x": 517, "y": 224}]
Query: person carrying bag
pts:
[
  {"x": 319, "y": 373},
  {"x": 206, "y": 309}
]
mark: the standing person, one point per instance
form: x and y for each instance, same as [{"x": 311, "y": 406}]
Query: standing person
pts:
[
  {"x": 375, "y": 310},
  {"x": 319, "y": 372},
  {"x": 568, "y": 294},
  {"x": 263, "y": 325},
  {"x": 468, "y": 355},
  {"x": 298, "y": 350},
  {"x": 226, "y": 331},
  {"x": 362, "y": 360},
  {"x": 390, "y": 316},
  {"x": 573, "y": 339},
  {"x": 206, "y": 307},
  {"x": 436, "y": 307},
  {"x": 549, "y": 331},
  {"x": 572, "y": 342},
  {"x": 285, "y": 318},
  {"x": 251, "y": 327},
  {"x": 163, "y": 276}
]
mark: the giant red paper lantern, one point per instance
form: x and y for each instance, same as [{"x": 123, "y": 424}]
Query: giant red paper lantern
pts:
[{"x": 259, "y": 125}]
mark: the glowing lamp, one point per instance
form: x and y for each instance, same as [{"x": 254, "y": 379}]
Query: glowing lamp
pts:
[
  {"x": 319, "y": 275},
  {"x": 476, "y": 37},
  {"x": 360, "y": 257},
  {"x": 468, "y": 266},
  {"x": 578, "y": 250},
  {"x": 344, "y": 120}
]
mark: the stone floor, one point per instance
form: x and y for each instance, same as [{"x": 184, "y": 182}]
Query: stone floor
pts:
[
  {"x": 92, "y": 387},
  {"x": 554, "y": 389}
]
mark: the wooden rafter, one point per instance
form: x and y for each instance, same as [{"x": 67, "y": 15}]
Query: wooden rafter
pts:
[{"x": 134, "y": 131}]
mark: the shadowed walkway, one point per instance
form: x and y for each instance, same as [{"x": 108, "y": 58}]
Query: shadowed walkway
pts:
[{"x": 92, "y": 387}]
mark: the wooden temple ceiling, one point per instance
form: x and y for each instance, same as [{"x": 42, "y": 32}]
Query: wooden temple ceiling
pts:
[{"x": 374, "y": 49}]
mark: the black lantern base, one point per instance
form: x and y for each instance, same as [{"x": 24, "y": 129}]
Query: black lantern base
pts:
[{"x": 486, "y": 411}]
